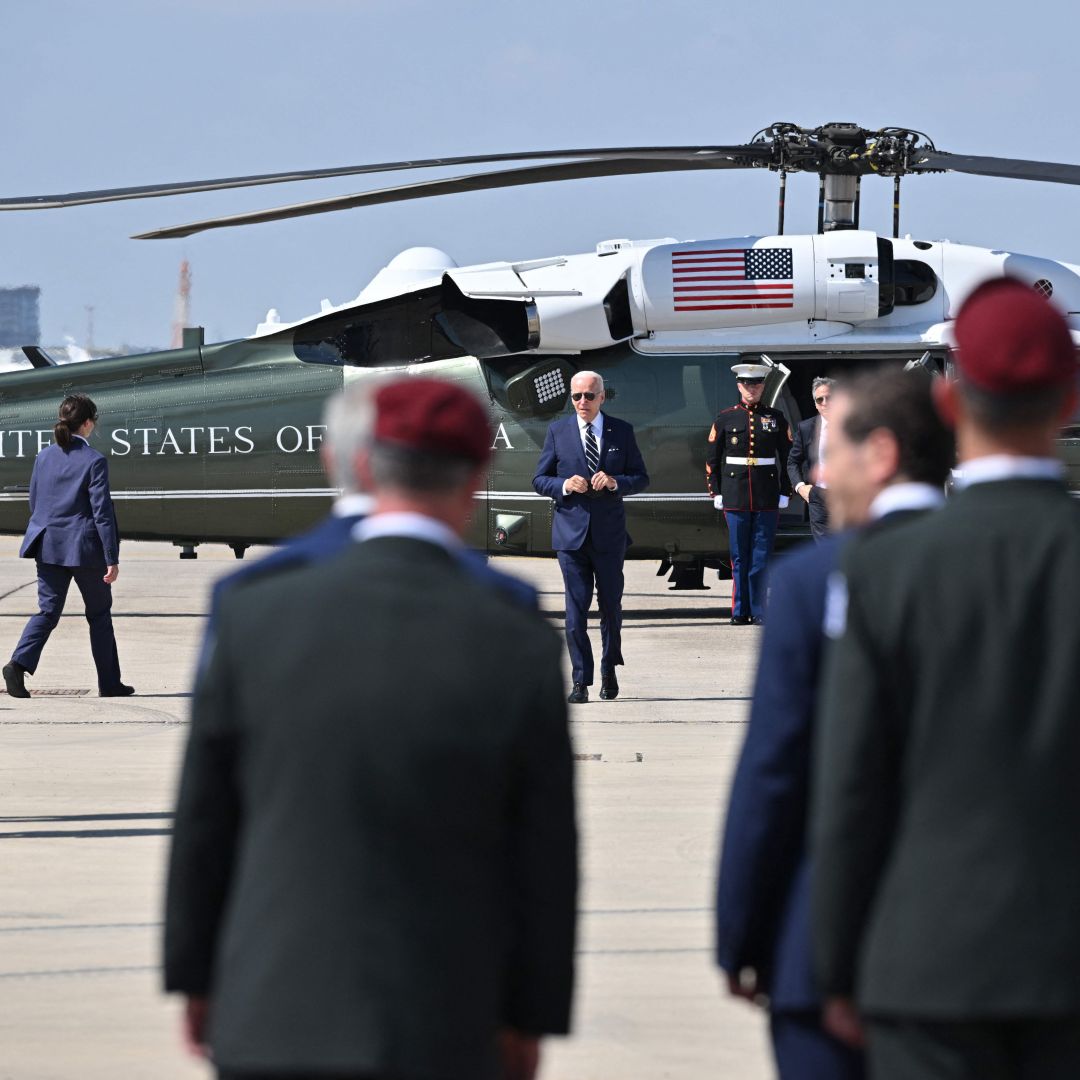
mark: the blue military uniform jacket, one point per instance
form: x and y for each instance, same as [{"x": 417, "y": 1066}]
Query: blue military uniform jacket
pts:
[
  {"x": 763, "y": 894},
  {"x": 600, "y": 516},
  {"x": 747, "y": 434},
  {"x": 72, "y": 520}
]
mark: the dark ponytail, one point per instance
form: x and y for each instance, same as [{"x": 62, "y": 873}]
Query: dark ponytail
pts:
[{"x": 75, "y": 410}]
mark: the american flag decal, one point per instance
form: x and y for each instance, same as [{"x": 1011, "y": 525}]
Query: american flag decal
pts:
[{"x": 732, "y": 279}]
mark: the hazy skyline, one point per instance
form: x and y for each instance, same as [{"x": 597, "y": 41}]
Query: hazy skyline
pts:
[{"x": 123, "y": 92}]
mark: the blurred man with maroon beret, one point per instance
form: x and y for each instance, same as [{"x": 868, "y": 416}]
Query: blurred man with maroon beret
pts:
[
  {"x": 373, "y": 871},
  {"x": 946, "y": 885}
]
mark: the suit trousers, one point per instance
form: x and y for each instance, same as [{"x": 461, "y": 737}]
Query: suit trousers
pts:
[
  {"x": 53, "y": 584},
  {"x": 1033, "y": 1049},
  {"x": 583, "y": 570},
  {"x": 750, "y": 534},
  {"x": 819, "y": 514},
  {"x": 805, "y": 1051}
]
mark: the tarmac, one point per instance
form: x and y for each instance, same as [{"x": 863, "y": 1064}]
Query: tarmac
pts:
[{"x": 86, "y": 798}]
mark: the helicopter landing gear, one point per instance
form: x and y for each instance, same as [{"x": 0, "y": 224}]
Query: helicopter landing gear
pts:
[
  {"x": 239, "y": 549},
  {"x": 686, "y": 574},
  {"x": 187, "y": 551}
]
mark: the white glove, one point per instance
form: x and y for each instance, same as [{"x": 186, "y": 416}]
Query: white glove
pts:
[
  {"x": 784, "y": 502},
  {"x": 718, "y": 502}
]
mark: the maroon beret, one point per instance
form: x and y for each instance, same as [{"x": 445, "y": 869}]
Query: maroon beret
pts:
[
  {"x": 1010, "y": 337},
  {"x": 433, "y": 416}
]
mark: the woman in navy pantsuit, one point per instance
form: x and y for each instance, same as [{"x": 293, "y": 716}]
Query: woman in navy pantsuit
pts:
[{"x": 73, "y": 536}]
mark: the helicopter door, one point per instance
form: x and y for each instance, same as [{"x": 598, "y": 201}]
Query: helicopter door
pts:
[{"x": 774, "y": 383}]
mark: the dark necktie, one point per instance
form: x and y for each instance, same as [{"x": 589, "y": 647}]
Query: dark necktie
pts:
[{"x": 592, "y": 450}]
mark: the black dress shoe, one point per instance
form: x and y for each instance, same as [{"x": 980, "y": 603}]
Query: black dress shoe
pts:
[
  {"x": 609, "y": 687},
  {"x": 579, "y": 695},
  {"x": 758, "y": 620},
  {"x": 123, "y": 690},
  {"x": 740, "y": 620},
  {"x": 13, "y": 680}
]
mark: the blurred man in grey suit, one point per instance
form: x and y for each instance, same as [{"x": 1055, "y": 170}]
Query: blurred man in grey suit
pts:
[
  {"x": 946, "y": 885},
  {"x": 373, "y": 871}
]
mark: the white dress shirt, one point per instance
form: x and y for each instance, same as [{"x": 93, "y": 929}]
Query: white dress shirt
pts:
[
  {"x": 352, "y": 505},
  {"x": 598, "y": 431},
  {"x": 412, "y": 525},
  {"x": 984, "y": 470}
]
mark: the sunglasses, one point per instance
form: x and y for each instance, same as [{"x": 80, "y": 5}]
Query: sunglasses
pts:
[
  {"x": 822, "y": 400},
  {"x": 588, "y": 395}
]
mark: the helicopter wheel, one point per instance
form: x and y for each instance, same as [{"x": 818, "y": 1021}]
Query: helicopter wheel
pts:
[
  {"x": 187, "y": 551},
  {"x": 686, "y": 576},
  {"x": 239, "y": 549}
]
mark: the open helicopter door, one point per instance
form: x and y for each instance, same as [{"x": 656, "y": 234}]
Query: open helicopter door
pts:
[{"x": 774, "y": 383}]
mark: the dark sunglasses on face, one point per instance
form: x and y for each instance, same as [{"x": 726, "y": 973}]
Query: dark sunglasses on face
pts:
[
  {"x": 822, "y": 400},
  {"x": 588, "y": 395}
]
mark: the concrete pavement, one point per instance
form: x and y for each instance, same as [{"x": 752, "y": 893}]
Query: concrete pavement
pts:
[{"x": 86, "y": 790}]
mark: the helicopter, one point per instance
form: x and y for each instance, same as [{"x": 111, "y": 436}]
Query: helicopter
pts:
[{"x": 218, "y": 443}]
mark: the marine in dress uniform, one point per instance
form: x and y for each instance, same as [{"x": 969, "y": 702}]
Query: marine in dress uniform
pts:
[
  {"x": 746, "y": 473},
  {"x": 945, "y": 802}
]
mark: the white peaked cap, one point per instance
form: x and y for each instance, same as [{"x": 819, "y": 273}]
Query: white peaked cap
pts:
[{"x": 750, "y": 371}]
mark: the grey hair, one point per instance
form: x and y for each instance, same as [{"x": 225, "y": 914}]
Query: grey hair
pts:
[
  {"x": 821, "y": 380},
  {"x": 399, "y": 468},
  {"x": 590, "y": 375},
  {"x": 350, "y": 420}
]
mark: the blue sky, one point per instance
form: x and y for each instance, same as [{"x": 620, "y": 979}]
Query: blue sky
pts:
[{"x": 121, "y": 92}]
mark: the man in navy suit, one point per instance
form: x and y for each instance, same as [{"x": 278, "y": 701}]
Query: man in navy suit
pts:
[
  {"x": 73, "y": 536},
  {"x": 889, "y": 455},
  {"x": 589, "y": 464},
  {"x": 807, "y": 455}
]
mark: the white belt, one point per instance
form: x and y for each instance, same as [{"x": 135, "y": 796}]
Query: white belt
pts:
[{"x": 750, "y": 461}]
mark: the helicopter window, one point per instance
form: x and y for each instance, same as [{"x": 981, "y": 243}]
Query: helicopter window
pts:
[{"x": 914, "y": 282}]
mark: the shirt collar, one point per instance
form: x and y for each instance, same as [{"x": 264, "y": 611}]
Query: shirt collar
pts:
[
  {"x": 352, "y": 505},
  {"x": 82, "y": 438},
  {"x": 597, "y": 423},
  {"x": 412, "y": 525},
  {"x": 912, "y": 496},
  {"x": 984, "y": 470}
]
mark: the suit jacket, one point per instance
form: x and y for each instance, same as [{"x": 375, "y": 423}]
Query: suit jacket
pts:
[
  {"x": 72, "y": 520},
  {"x": 600, "y": 517},
  {"x": 373, "y": 865},
  {"x": 763, "y": 894},
  {"x": 803, "y": 456},
  {"x": 332, "y": 535},
  {"x": 946, "y": 802}
]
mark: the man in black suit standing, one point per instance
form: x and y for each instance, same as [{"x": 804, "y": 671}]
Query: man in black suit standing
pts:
[
  {"x": 807, "y": 455},
  {"x": 373, "y": 870},
  {"x": 889, "y": 457},
  {"x": 946, "y": 806}
]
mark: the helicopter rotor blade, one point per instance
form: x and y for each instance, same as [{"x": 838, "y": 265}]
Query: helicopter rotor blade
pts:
[
  {"x": 664, "y": 161},
  {"x": 1011, "y": 168},
  {"x": 155, "y": 191}
]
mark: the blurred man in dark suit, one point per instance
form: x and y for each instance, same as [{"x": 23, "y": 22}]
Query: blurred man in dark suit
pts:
[
  {"x": 807, "y": 455},
  {"x": 373, "y": 870},
  {"x": 590, "y": 463},
  {"x": 889, "y": 457},
  {"x": 348, "y": 417},
  {"x": 946, "y": 810}
]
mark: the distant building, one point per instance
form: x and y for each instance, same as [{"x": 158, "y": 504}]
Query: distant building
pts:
[{"x": 20, "y": 322}]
